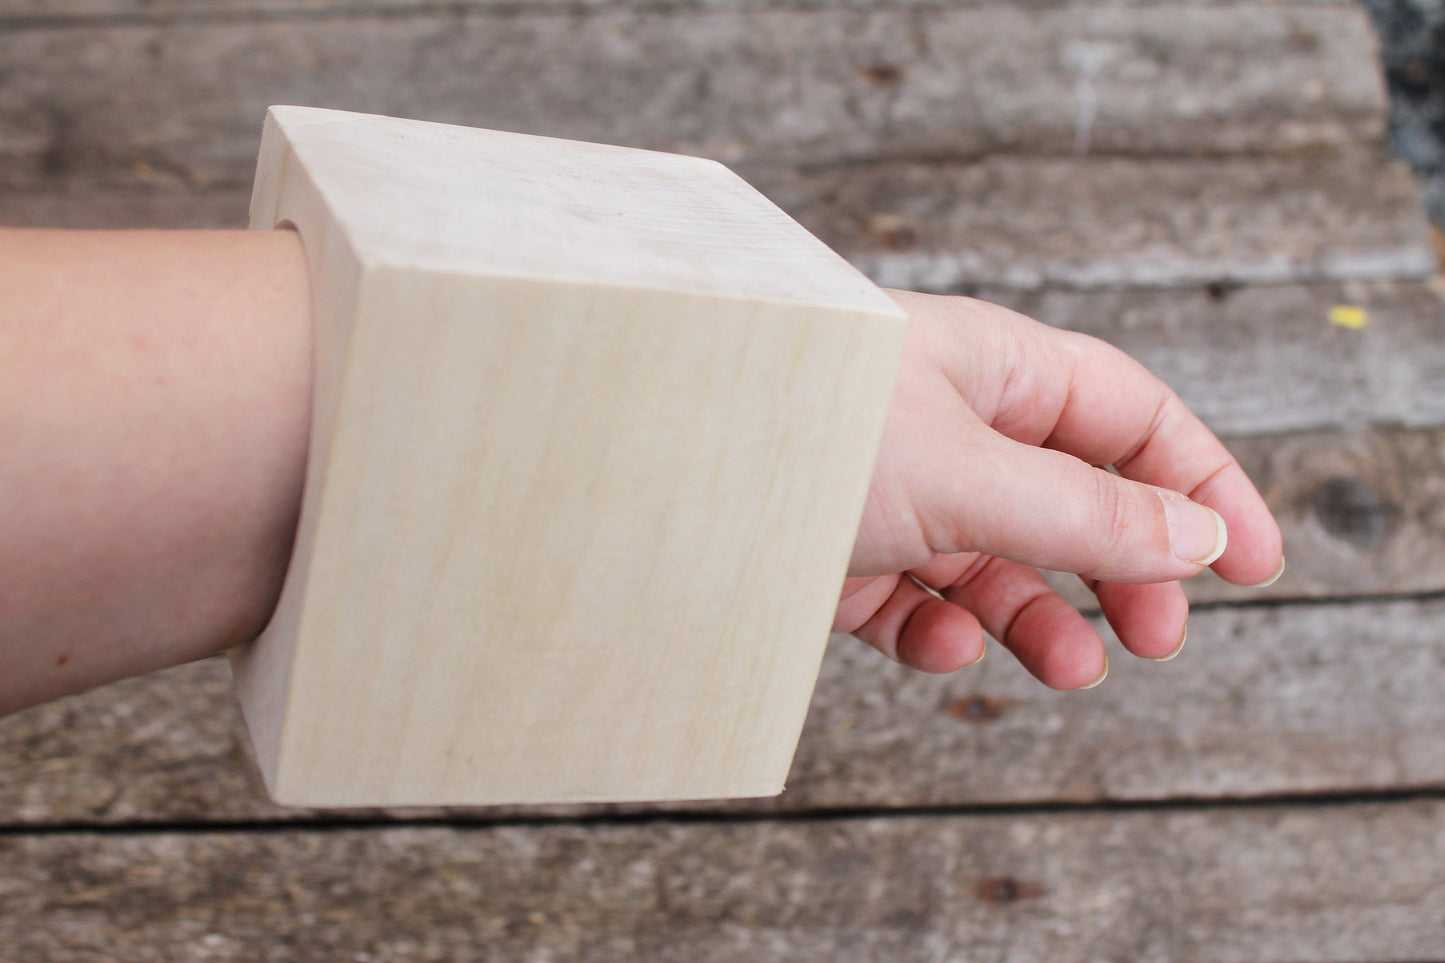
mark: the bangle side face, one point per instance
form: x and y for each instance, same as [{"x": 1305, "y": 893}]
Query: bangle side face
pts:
[{"x": 591, "y": 440}]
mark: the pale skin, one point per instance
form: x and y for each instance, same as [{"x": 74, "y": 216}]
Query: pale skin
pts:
[
  {"x": 154, "y": 415},
  {"x": 987, "y": 473}
]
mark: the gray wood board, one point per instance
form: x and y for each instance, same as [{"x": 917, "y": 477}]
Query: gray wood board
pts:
[
  {"x": 1267, "y": 358},
  {"x": 81, "y": 206},
  {"x": 36, "y": 12},
  {"x": 1246, "y": 359},
  {"x": 1006, "y": 222},
  {"x": 1029, "y": 222},
  {"x": 1362, "y": 513},
  {"x": 182, "y": 102},
  {"x": 1329, "y": 884},
  {"x": 1264, "y": 701}
]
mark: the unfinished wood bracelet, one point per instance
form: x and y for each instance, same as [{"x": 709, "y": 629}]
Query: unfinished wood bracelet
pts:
[{"x": 592, "y": 432}]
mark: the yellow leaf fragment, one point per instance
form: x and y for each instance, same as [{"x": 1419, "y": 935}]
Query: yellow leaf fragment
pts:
[{"x": 1348, "y": 316}]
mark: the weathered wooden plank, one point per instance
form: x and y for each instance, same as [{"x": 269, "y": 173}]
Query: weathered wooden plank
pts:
[
  {"x": 166, "y": 746},
  {"x": 1021, "y": 223},
  {"x": 182, "y": 102},
  {"x": 1027, "y": 222},
  {"x": 1360, "y": 512},
  {"x": 1331, "y": 697},
  {"x": 1247, "y": 359},
  {"x": 1265, "y": 359},
  {"x": 83, "y": 206},
  {"x": 31, "y": 12},
  {"x": 1270, "y": 700},
  {"x": 1332, "y": 883}
]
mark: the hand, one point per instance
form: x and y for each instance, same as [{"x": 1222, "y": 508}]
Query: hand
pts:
[{"x": 987, "y": 472}]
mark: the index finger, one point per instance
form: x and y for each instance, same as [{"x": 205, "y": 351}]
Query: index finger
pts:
[{"x": 1118, "y": 413}]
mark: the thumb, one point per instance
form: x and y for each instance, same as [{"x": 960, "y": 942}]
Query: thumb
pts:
[{"x": 1049, "y": 509}]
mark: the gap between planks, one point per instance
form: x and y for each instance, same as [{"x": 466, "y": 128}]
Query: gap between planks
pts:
[{"x": 478, "y": 820}]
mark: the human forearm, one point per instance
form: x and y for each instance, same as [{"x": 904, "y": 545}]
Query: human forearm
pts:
[{"x": 154, "y": 413}]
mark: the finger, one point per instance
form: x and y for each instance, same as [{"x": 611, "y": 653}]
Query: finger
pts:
[
  {"x": 922, "y": 631},
  {"x": 1149, "y": 619},
  {"x": 861, "y": 598},
  {"x": 1120, "y": 414},
  {"x": 1257, "y": 558},
  {"x": 1045, "y": 633},
  {"x": 1050, "y": 510}
]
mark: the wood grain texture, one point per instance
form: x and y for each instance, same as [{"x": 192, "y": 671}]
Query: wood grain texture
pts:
[
  {"x": 87, "y": 207},
  {"x": 1028, "y": 222},
  {"x": 1300, "y": 699},
  {"x": 592, "y": 431},
  {"x": 1268, "y": 885},
  {"x": 1363, "y": 513},
  {"x": 1265, "y": 359},
  {"x": 164, "y": 746},
  {"x": 1264, "y": 701},
  {"x": 80, "y": 12},
  {"x": 175, "y": 103}
]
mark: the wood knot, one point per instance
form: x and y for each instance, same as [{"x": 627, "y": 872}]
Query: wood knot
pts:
[
  {"x": 1003, "y": 890},
  {"x": 1219, "y": 290},
  {"x": 977, "y": 708},
  {"x": 1353, "y": 511},
  {"x": 893, "y": 232},
  {"x": 882, "y": 74}
]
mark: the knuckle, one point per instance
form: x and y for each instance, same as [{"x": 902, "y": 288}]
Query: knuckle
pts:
[{"x": 1118, "y": 520}]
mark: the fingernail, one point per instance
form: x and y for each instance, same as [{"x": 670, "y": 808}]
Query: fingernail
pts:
[
  {"x": 1102, "y": 676},
  {"x": 1272, "y": 579},
  {"x": 1177, "y": 649},
  {"x": 1196, "y": 533}
]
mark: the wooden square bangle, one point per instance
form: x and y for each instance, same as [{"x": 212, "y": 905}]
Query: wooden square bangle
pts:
[{"x": 592, "y": 433}]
